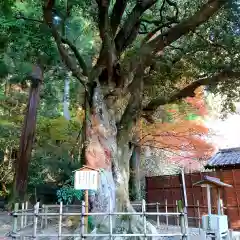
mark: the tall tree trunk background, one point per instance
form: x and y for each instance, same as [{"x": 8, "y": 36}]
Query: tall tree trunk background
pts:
[
  {"x": 27, "y": 137},
  {"x": 66, "y": 97}
]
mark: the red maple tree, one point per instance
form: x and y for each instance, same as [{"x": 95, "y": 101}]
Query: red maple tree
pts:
[{"x": 186, "y": 139}]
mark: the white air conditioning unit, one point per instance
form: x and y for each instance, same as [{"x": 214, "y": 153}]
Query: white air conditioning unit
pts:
[{"x": 215, "y": 223}]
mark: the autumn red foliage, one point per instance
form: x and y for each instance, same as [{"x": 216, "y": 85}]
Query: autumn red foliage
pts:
[{"x": 186, "y": 139}]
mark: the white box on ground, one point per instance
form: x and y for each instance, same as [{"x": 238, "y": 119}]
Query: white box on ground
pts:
[
  {"x": 213, "y": 222},
  {"x": 86, "y": 180}
]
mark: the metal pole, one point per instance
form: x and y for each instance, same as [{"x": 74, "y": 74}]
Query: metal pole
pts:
[
  {"x": 185, "y": 202},
  {"x": 184, "y": 189}
]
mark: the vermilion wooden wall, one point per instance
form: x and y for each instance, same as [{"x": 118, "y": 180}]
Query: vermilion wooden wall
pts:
[{"x": 168, "y": 188}]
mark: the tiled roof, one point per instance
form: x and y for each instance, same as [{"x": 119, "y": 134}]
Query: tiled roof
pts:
[{"x": 225, "y": 157}]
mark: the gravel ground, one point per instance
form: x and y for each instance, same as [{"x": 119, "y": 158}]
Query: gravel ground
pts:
[{"x": 5, "y": 223}]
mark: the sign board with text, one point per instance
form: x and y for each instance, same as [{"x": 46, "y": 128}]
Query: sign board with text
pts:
[{"x": 86, "y": 179}]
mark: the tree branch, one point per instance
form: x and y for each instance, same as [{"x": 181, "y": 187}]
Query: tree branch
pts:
[
  {"x": 173, "y": 4},
  {"x": 20, "y": 16},
  {"x": 211, "y": 43},
  {"x": 183, "y": 28},
  {"x": 117, "y": 14},
  {"x": 161, "y": 41},
  {"x": 107, "y": 57},
  {"x": 48, "y": 17},
  {"x": 103, "y": 21},
  {"x": 149, "y": 50},
  {"x": 77, "y": 55},
  {"x": 188, "y": 91},
  {"x": 65, "y": 41},
  {"x": 133, "y": 109},
  {"x": 130, "y": 23},
  {"x": 155, "y": 30}
]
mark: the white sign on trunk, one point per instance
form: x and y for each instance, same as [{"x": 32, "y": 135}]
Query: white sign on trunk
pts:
[{"x": 86, "y": 180}]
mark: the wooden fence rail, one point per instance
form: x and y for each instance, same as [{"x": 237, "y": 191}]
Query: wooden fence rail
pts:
[{"x": 38, "y": 218}]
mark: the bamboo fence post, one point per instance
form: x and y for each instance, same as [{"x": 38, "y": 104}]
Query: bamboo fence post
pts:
[
  {"x": 177, "y": 212},
  {"x": 86, "y": 210},
  {"x": 166, "y": 210},
  {"x": 22, "y": 215},
  {"x": 15, "y": 220},
  {"x": 222, "y": 207},
  {"x": 42, "y": 218},
  {"x": 82, "y": 220},
  {"x": 199, "y": 219},
  {"x": 158, "y": 220},
  {"x": 185, "y": 222},
  {"x": 35, "y": 220},
  {"x": 45, "y": 215},
  {"x": 110, "y": 218},
  {"x": 60, "y": 221},
  {"x": 182, "y": 220},
  {"x": 25, "y": 217},
  {"x": 182, "y": 225},
  {"x": 144, "y": 218}
]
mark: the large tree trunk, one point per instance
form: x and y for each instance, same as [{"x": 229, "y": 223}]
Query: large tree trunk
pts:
[
  {"x": 111, "y": 154},
  {"x": 27, "y": 138}
]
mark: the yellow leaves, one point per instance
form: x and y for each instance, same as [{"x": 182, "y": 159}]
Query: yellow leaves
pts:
[
  {"x": 63, "y": 130},
  {"x": 199, "y": 92},
  {"x": 80, "y": 115},
  {"x": 6, "y": 123},
  {"x": 59, "y": 128}
]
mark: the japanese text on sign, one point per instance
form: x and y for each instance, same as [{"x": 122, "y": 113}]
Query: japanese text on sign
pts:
[{"x": 86, "y": 180}]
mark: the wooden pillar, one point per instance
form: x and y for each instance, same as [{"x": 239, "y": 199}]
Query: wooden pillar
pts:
[{"x": 219, "y": 201}]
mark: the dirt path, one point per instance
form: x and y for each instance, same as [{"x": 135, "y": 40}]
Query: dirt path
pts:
[{"x": 5, "y": 224}]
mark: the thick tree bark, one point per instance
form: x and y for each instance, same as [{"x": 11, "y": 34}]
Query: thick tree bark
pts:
[
  {"x": 135, "y": 178},
  {"x": 27, "y": 137},
  {"x": 111, "y": 154}
]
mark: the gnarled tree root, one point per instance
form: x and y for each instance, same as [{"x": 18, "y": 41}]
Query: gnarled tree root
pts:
[{"x": 125, "y": 224}]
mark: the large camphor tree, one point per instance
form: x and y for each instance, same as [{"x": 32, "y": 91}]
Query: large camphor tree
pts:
[{"x": 150, "y": 53}]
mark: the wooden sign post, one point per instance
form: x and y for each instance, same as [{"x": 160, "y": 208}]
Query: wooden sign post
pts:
[{"x": 86, "y": 178}]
